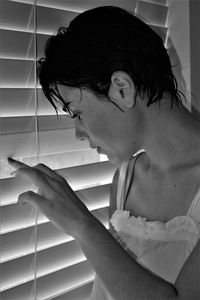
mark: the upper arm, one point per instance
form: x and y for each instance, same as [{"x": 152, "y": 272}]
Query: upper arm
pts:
[{"x": 188, "y": 281}]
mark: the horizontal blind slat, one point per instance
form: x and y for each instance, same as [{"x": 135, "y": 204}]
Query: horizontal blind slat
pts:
[
  {"x": 16, "y": 16},
  {"x": 51, "y": 285},
  {"x": 54, "y": 161},
  {"x": 20, "y": 270},
  {"x": 20, "y": 45},
  {"x": 22, "y": 242},
  {"x": 81, "y": 5},
  {"x": 152, "y": 13},
  {"x": 27, "y": 124},
  {"x": 161, "y": 2},
  {"x": 50, "y": 19},
  {"x": 21, "y": 102},
  {"x": 19, "y": 16},
  {"x": 50, "y": 141},
  {"x": 16, "y": 73},
  {"x": 81, "y": 293},
  {"x": 15, "y": 217},
  {"x": 16, "y": 45},
  {"x": 97, "y": 174},
  {"x": 65, "y": 280}
]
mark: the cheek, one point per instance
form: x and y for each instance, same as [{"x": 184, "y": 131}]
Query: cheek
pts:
[
  {"x": 102, "y": 127},
  {"x": 98, "y": 122},
  {"x": 96, "y": 129},
  {"x": 93, "y": 123}
]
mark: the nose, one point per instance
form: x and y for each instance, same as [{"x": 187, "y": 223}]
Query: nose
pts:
[{"x": 80, "y": 132}]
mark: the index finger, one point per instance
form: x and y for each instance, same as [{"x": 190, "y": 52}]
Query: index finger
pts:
[
  {"x": 41, "y": 167},
  {"x": 15, "y": 163},
  {"x": 35, "y": 177},
  {"x": 25, "y": 171}
]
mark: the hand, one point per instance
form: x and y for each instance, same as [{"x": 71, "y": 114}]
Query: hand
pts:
[{"x": 55, "y": 198}]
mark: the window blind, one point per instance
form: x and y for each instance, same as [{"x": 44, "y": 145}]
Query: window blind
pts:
[{"x": 38, "y": 261}]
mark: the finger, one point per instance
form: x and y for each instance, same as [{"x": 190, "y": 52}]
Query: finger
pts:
[
  {"x": 46, "y": 185},
  {"x": 33, "y": 198},
  {"x": 48, "y": 171},
  {"x": 36, "y": 177},
  {"x": 41, "y": 167},
  {"x": 41, "y": 176},
  {"x": 56, "y": 181},
  {"x": 15, "y": 163},
  {"x": 41, "y": 203}
]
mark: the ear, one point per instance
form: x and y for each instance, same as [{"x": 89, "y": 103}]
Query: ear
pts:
[{"x": 122, "y": 90}]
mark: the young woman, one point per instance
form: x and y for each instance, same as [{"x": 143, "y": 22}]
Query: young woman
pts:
[{"x": 111, "y": 72}]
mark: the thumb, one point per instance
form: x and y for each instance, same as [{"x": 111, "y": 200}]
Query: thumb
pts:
[{"x": 31, "y": 197}]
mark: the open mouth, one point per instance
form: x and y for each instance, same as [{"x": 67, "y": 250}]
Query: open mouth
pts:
[{"x": 98, "y": 150}]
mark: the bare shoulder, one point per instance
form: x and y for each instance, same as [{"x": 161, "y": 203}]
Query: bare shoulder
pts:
[{"x": 187, "y": 283}]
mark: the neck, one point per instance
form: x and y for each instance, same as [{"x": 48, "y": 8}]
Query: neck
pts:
[{"x": 171, "y": 138}]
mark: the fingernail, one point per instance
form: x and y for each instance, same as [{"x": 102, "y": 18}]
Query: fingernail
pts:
[{"x": 11, "y": 159}]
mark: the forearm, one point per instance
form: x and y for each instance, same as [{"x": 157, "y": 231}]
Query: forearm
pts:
[{"x": 121, "y": 275}]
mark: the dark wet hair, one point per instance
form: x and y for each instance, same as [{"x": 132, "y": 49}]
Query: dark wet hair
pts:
[{"x": 99, "y": 42}]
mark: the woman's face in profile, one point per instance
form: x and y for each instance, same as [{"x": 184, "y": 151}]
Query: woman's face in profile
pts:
[{"x": 99, "y": 122}]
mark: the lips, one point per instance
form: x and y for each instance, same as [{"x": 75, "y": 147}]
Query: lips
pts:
[
  {"x": 98, "y": 149},
  {"x": 92, "y": 146}
]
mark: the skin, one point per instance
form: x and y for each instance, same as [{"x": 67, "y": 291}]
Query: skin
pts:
[
  {"x": 171, "y": 141},
  {"x": 115, "y": 142}
]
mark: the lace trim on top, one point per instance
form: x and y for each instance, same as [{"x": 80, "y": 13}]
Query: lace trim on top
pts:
[
  {"x": 185, "y": 227},
  {"x": 179, "y": 228}
]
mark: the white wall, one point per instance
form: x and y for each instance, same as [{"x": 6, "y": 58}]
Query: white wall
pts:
[
  {"x": 195, "y": 55},
  {"x": 179, "y": 38}
]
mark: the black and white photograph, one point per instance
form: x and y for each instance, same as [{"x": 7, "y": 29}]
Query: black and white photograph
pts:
[{"x": 100, "y": 149}]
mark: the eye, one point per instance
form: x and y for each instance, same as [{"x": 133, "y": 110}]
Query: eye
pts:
[{"x": 69, "y": 112}]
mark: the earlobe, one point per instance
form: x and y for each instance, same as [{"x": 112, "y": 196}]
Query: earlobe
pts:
[{"x": 122, "y": 90}]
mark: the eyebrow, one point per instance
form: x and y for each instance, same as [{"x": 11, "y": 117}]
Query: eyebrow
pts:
[{"x": 57, "y": 96}]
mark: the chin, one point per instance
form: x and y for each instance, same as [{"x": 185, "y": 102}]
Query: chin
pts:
[{"x": 114, "y": 160}]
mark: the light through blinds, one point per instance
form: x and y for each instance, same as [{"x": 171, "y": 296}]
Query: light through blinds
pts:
[{"x": 38, "y": 261}]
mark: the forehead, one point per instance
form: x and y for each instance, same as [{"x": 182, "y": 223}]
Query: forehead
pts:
[
  {"x": 70, "y": 94},
  {"x": 83, "y": 99}
]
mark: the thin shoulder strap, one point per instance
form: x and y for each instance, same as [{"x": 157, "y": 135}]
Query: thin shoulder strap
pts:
[
  {"x": 129, "y": 178},
  {"x": 194, "y": 209},
  {"x": 121, "y": 184}
]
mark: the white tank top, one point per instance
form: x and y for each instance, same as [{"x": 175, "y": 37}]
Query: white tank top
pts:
[{"x": 161, "y": 248}]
